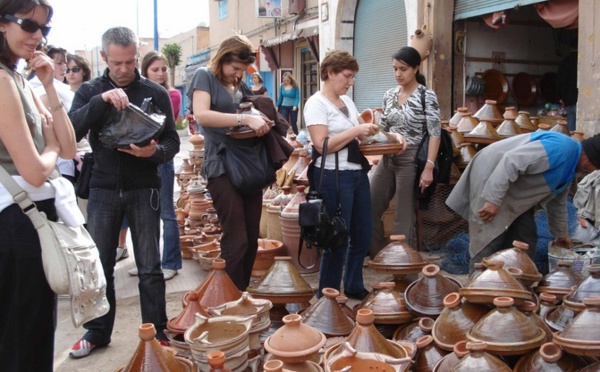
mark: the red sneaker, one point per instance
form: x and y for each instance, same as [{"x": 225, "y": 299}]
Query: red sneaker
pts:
[{"x": 81, "y": 349}]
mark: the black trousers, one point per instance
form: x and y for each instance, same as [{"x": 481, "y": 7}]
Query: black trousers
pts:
[{"x": 239, "y": 216}]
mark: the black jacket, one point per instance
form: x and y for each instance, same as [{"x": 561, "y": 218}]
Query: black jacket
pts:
[{"x": 113, "y": 169}]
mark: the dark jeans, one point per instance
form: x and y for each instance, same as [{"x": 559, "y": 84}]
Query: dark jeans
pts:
[
  {"x": 239, "y": 216},
  {"x": 291, "y": 116},
  {"x": 523, "y": 229},
  {"x": 27, "y": 304},
  {"x": 571, "y": 117},
  {"x": 106, "y": 210},
  {"x": 355, "y": 199},
  {"x": 171, "y": 256}
]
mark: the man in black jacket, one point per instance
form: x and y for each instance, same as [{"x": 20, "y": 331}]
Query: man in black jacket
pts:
[{"x": 125, "y": 182}]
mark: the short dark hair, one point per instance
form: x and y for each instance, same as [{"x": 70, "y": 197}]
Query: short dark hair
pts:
[
  {"x": 337, "y": 61},
  {"x": 82, "y": 63}
]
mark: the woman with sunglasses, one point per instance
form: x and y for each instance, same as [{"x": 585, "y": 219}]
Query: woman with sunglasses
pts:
[
  {"x": 289, "y": 99},
  {"x": 78, "y": 71},
  {"x": 32, "y": 136},
  {"x": 216, "y": 93}
]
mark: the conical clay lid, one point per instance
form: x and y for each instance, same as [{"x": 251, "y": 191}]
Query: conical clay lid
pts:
[
  {"x": 414, "y": 330},
  {"x": 150, "y": 356},
  {"x": 580, "y": 336},
  {"x": 467, "y": 123},
  {"x": 425, "y": 296},
  {"x": 187, "y": 317},
  {"x": 549, "y": 358},
  {"x": 217, "y": 288},
  {"x": 508, "y": 128},
  {"x": 366, "y": 338},
  {"x": 388, "y": 305},
  {"x": 398, "y": 258},
  {"x": 560, "y": 280},
  {"x": 327, "y": 316},
  {"x": 295, "y": 342},
  {"x": 590, "y": 287},
  {"x": 479, "y": 360},
  {"x": 282, "y": 284},
  {"x": 517, "y": 257},
  {"x": 494, "y": 282},
  {"x": 489, "y": 111}
]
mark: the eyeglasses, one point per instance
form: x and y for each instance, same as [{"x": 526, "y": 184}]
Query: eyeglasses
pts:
[
  {"x": 27, "y": 25},
  {"x": 349, "y": 76},
  {"x": 245, "y": 55},
  {"x": 73, "y": 70}
]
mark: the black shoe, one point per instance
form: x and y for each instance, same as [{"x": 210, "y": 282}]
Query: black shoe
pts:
[{"x": 357, "y": 296}]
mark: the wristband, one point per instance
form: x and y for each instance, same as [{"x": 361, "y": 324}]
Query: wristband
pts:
[
  {"x": 430, "y": 162},
  {"x": 239, "y": 120},
  {"x": 53, "y": 109}
]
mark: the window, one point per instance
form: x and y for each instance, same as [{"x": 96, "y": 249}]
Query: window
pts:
[
  {"x": 222, "y": 9},
  {"x": 309, "y": 83}
]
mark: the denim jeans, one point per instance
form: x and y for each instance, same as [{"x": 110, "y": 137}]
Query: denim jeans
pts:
[
  {"x": 291, "y": 116},
  {"x": 355, "y": 199},
  {"x": 571, "y": 117},
  {"x": 171, "y": 256},
  {"x": 106, "y": 209}
]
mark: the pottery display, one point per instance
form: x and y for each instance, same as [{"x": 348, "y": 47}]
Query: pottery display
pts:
[
  {"x": 549, "y": 358},
  {"x": 388, "y": 305},
  {"x": 282, "y": 284},
  {"x": 270, "y": 193},
  {"x": 561, "y": 127},
  {"x": 457, "y": 318},
  {"x": 528, "y": 308},
  {"x": 342, "y": 301},
  {"x": 151, "y": 356},
  {"x": 492, "y": 283},
  {"x": 414, "y": 330},
  {"x": 428, "y": 355},
  {"x": 580, "y": 336},
  {"x": 489, "y": 111},
  {"x": 216, "y": 360},
  {"x": 478, "y": 360},
  {"x": 524, "y": 122},
  {"x": 398, "y": 258},
  {"x": 590, "y": 287},
  {"x": 268, "y": 249},
  {"x": 349, "y": 359},
  {"x": 559, "y": 317},
  {"x": 560, "y": 280},
  {"x": 187, "y": 317},
  {"x": 510, "y": 112},
  {"x": 508, "y": 128},
  {"x": 425, "y": 296},
  {"x": 517, "y": 257},
  {"x": 467, "y": 123},
  {"x": 273, "y": 209},
  {"x": 295, "y": 342},
  {"x": 453, "y": 122},
  {"x": 507, "y": 331},
  {"x": 327, "y": 316},
  {"x": 216, "y": 289},
  {"x": 451, "y": 360},
  {"x": 366, "y": 338}
]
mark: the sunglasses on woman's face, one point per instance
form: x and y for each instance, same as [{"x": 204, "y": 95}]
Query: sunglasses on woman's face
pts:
[
  {"x": 27, "y": 25},
  {"x": 73, "y": 70},
  {"x": 245, "y": 55}
]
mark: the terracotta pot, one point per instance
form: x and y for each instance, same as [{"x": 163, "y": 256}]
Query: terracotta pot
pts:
[
  {"x": 489, "y": 111},
  {"x": 422, "y": 41},
  {"x": 456, "y": 136},
  {"x": 387, "y": 305},
  {"x": 265, "y": 256},
  {"x": 150, "y": 356},
  {"x": 216, "y": 289},
  {"x": 428, "y": 354},
  {"x": 508, "y": 128},
  {"x": 580, "y": 337},
  {"x": 359, "y": 361},
  {"x": 453, "y": 122},
  {"x": 561, "y": 127},
  {"x": 479, "y": 360},
  {"x": 366, "y": 338},
  {"x": 295, "y": 342},
  {"x": 590, "y": 287},
  {"x": 327, "y": 316},
  {"x": 457, "y": 318},
  {"x": 342, "y": 301},
  {"x": 398, "y": 258},
  {"x": 524, "y": 122},
  {"x": 517, "y": 257},
  {"x": 312, "y": 365},
  {"x": 510, "y": 112},
  {"x": 451, "y": 360},
  {"x": 560, "y": 280},
  {"x": 187, "y": 317},
  {"x": 425, "y": 296},
  {"x": 494, "y": 282},
  {"x": 414, "y": 330},
  {"x": 548, "y": 302},
  {"x": 518, "y": 336},
  {"x": 467, "y": 123},
  {"x": 528, "y": 308},
  {"x": 549, "y": 358},
  {"x": 216, "y": 360},
  {"x": 368, "y": 116},
  {"x": 559, "y": 317}
]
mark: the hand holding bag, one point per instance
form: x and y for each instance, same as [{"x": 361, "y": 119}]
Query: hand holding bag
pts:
[{"x": 70, "y": 258}]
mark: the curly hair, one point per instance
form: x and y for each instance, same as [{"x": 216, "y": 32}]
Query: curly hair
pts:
[{"x": 337, "y": 61}]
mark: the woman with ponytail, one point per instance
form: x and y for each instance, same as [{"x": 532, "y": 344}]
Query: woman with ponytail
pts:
[{"x": 408, "y": 109}]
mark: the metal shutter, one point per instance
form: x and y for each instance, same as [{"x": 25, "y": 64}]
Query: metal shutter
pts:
[
  {"x": 379, "y": 31},
  {"x": 473, "y": 8}
]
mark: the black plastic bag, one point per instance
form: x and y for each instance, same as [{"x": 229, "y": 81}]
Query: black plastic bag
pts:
[
  {"x": 82, "y": 186},
  {"x": 133, "y": 125}
]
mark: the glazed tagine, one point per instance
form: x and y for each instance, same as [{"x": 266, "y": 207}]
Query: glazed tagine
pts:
[
  {"x": 327, "y": 315},
  {"x": 517, "y": 257},
  {"x": 478, "y": 360},
  {"x": 549, "y": 357},
  {"x": 580, "y": 336},
  {"x": 560, "y": 280},
  {"x": 425, "y": 296},
  {"x": 492, "y": 283}
]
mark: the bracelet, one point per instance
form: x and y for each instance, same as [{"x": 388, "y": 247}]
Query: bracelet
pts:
[
  {"x": 239, "y": 120},
  {"x": 430, "y": 162},
  {"x": 53, "y": 109}
]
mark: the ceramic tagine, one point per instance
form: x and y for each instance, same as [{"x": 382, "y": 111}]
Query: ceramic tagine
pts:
[
  {"x": 528, "y": 308},
  {"x": 414, "y": 330},
  {"x": 489, "y": 111},
  {"x": 517, "y": 257},
  {"x": 451, "y": 360},
  {"x": 398, "y": 258},
  {"x": 295, "y": 342},
  {"x": 524, "y": 122},
  {"x": 428, "y": 354},
  {"x": 560, "y": 280},
  {"x": 478, "y": 360},
  {"x": 494, "y": 282},
  {"x": 549, "y": 357},
  {"x": 425, "y": 296},
  {"x": 508, "y": 128},
  {"x": 327, "y": 316},
  {"x": 453, "y": 122},
  {"x": 507, "y": 331},
  {"x": 580, "y": 337},
  {"x": 217, "y": 360},
  {"x": 388, "y": 305},
  {"x": 590, "y": 287},
  {"x": 216, "y": 289},
  {"x": 467, "y": 123},
  {"x": 349, "y": 359}
]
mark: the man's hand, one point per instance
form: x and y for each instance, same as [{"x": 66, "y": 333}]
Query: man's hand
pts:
[
  {"x": 141, "y": 152},
  {"x": 116, "y": 97},
  {"x": 488, "y": 212},
  {"x": 563, "y": 242}
]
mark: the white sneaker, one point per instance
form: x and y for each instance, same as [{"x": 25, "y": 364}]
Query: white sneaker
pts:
[
  {"x": 121, "y": 254},
  {"x": 169, "y": 273},
  {"x": 133, "y": 272}
]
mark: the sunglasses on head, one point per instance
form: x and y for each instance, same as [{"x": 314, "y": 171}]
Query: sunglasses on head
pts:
[
  {"x": 245, "y": 55},
  {"x": 74, "y": 69},
  {"x": 27, "y": 25}
]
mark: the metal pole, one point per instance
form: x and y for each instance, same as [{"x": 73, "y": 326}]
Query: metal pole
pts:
[{"x": 155, "y": 24}]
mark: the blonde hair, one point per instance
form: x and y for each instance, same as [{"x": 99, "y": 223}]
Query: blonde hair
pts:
[
  {"x": 287, "y": 75},
  {"x": 228, "y": 52}
]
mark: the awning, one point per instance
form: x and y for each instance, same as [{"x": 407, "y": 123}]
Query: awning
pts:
[
  {"x": 290, "y": 36},
  {"x": 473, "y": 8}
]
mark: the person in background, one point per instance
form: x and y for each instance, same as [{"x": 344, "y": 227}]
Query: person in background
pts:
[
  {"x": 258, "y": 88},
  {"x": 288, "y": 101},
  {"x": 32, "y": 136},
  {"x": 394, "y": 175},
  {"x": 125, "y": 182},
  {"x": 566, "y": 83},
  {"x": 78, "y": 71},
  {"x": 154, "y": 67},
  {"x": 503, "y": 183},
  {"x": 330, "y": 113},
  {"x": 216, "y": 92}
]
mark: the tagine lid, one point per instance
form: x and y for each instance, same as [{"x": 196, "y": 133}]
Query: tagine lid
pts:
[
  {"x": 517, "y": 257},
  {"x": 426, "y": 295},
  {"x": 398, "y": 255},
  {"x": 282, "y": 280},
  {"x": 294, "y": 339}
]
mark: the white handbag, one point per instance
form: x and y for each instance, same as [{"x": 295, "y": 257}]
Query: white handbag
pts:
[{"x": 70, "y": 258}]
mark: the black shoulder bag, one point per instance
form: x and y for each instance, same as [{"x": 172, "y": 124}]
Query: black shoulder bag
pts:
[{"x": 318, "y": 229}]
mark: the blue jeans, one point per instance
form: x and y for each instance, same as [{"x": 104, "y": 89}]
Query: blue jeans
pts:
[
  {"x": 571, "y": 117},
  {"x": 106, "y": 209},
  {"x": 171, "y": 256},
  {"x": 355, "y": 198},
  {"x": 291, "y": 116}
]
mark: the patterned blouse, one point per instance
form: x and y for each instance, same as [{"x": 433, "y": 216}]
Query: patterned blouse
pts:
[{"x": 408, "y": 119}]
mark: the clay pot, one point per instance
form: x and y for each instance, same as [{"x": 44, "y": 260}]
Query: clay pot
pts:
[
  {"x": 187, "y": 317},
  {"x": 414, "y": 330},
  {"x": 327, "y": 316},
  {"x": 387, "y": 305},
  {"x": 494, "y": 282},
  {"x": 478, "y": 360},
  {"x": 560, "y": 280},
  {"x": 205, "y": 259},
  {"x": 425, "y": 296},
  {"x": 508, "y": 128},
  {"x": 312, "y": 365},
  {"x": 216, "y": 360},
  {"x": 528, "y": 308},
  {"x": 479, "y": 268},
  {"x": 453, "y": 122},
  {"x": 368, "y": 116},
  {"x": 524, "y": 122},
  {"x": 342, "y": 301},
  {"x": 510, "y": 112},
  {"x": 216, "y": 289},
  {"x": 181, "y": 215},
  {"x": 268, "y": 196},
  {"x": 580, "y": 337},
  {"x": 559, "y": 317},
  {"x": 295, "y": 342},
  {"x": 282, "y": 284},
  {"x": 590, "y": 287},
  {"x": 561, "y": 127},
  {"x": 451, "y": 360},
  {"x": 456, "y": 136},
  {"x": 489, "y": 111},
  {"x": 268, "y": 249},
  {"x": 274, "y": 366},
  {"x": 467, "y": 123},
  {"x": 398, "y": 258},
  {"x": 273, "y": 209},
  {"x": 517, "y": 257},
  {"x": 197, "y": 140},
  {"x": 150, "y": 356},
  {"x": 548, "y": 302},
  {"x": 457, "y": 318},
  {"x": 549, "y": 358},
  {"x": 300, "y": 166},
  {"x": 543, "y": 127},
  {"x": 366, "y": 338},
  {"x": 428, "y": 355},
  {"x": 349, "y": 359},
  {"x": 422, "y": 41},
  {"x": 467, "y": 152},
  {"x": 518, "y": 334}
]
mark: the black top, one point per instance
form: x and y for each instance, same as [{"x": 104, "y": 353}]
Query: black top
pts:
[
  {"x": 566, "y": 81},
  {"x": 260, "y": 91},
  {"x": 114, "y": 169}
]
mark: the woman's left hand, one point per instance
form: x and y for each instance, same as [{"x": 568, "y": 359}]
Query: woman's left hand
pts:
[
  {"x": 426, "y": 178},
  {"x": 43, "y": 67},
  {"x": 294, "y": 108},
  {"x": 401, "y": 141}
]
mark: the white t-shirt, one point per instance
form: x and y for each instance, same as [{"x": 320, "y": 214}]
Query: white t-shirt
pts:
[{"x": 319, "y": 110}]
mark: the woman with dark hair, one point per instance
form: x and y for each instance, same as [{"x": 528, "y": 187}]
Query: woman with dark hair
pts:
[
  {"x": 32, "y": 137},
  {"x": 330, "y": 113},
  {"x": 78, "y": 71},
  {"x": 258, "y": 88},
  {"x": 216, "y": 93},
  {"x": 395, "y": 175}
]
